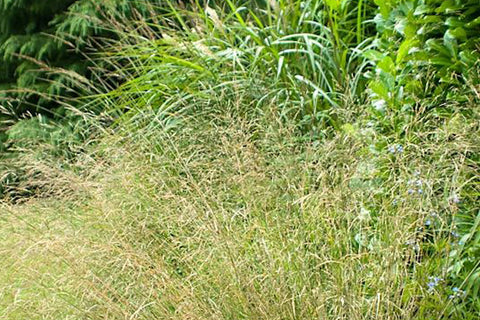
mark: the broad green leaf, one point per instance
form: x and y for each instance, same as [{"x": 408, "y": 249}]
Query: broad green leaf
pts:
[
  {"x": 400, "y": 25},
  {"x": 435, "y": 45},
  {"x": 450, "y": 43},
  {"x": 459, "y": 33},
  {"x": 473, "y": 23},
  {"x": 447, "y": 6},
  {"x": 404, "y": 49},
  {"x": 422, "y": 9},
  {"x": 387, "y": 65},
  {"x": 380, "y": 89},
  {"x": 454, "y": 22},
  {"x": 373, "y": 55},
  {"x": 431, "y": 19},
  {"x": 441, "y": 61},
  {"x": 334, "y": 4}
]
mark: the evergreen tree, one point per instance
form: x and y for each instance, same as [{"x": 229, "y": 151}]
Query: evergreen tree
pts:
[
  {"x": 39, "y": 37},
  {"x": 45, "y": 60},
  {"x": 27, "y": 43}
]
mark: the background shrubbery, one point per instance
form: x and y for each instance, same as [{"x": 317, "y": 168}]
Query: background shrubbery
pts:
[{"x": 48, "y": 67}]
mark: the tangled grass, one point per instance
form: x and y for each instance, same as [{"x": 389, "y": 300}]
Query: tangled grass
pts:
[
  {"x": 245, "y": 176},
  {"x": 226, "y": 218}
]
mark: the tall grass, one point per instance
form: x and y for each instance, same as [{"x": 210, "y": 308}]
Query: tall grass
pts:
[
  {"x": 231, "y": 218},
  {"x": 245, "y": 176},
  {"x": 215, "y": 222},
  {"x": 302, "y": 56}
]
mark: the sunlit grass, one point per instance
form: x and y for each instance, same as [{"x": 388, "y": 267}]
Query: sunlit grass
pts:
[
  {"x": 245, "y": 176},
  {"x": 223, "y": 219}
]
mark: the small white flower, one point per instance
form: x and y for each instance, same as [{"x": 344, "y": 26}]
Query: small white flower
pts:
[
  {"x": 364, "y": 214},
  {"x": 455, "y": 198},
  {"x": 379, "y": 105}
]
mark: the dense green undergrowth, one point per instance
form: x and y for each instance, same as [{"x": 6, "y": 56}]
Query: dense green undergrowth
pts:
[{"x": 260, "y": 160}]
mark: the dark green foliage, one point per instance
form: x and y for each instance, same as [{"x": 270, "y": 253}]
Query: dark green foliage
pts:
[
  {"x": 426, "y": 49},
  {"x": 48, "y": 49},
  {"x": 425, "y": 75},
  {"x": 26, "y": 48},
  {"x": 44, "y": 47},
  {"x": 36, "y": 67}
]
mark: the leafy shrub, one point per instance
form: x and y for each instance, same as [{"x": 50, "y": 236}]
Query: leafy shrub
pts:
[
  {"x": 423, "y": 77},
  {"x": 426, "y": 49}
]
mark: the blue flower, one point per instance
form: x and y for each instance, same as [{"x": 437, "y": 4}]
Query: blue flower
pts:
[
  {"x": 434, "y": 281},
  {"x": 395, "y": 148},
  {"x": 457, "y": 293},
  {"x": 428, "y": 222}
]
